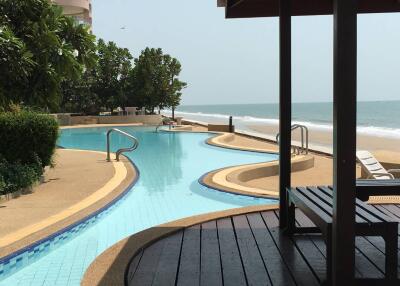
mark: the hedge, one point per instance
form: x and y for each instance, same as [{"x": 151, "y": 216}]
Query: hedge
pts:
[
  {"x": 26, "y": 136},
  {"x": 17, "y": 176}
]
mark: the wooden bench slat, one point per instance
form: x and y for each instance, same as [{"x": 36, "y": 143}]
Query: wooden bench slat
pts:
[
  {"x": 300, "y": 199},
  {"x": 362, "y": 208},
  {"x": 365, "y": 216},
  {"x": 323, "y": 202},
  {"x": 326, "y": 207}
]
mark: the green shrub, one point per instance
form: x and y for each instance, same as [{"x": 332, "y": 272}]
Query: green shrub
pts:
[
  {"x": 2, "y": 185},
  {"x": 27, "y": 136},
  {"x": 17, "y": 176}
]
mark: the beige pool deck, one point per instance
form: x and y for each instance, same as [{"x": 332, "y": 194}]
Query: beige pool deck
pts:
[{"x": 80, "y": 183}]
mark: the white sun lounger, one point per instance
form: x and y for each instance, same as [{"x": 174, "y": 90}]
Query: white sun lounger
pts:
[{"x": 373, "y": 168}]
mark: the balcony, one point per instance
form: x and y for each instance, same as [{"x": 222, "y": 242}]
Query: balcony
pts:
[{"x": 81, "y": 10}]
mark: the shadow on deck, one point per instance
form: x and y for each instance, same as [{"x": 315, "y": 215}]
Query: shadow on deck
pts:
[{"x": 248, "y": 249}]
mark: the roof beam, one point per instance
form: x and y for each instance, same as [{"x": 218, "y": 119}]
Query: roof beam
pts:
[{"x": 270, "y": 8}]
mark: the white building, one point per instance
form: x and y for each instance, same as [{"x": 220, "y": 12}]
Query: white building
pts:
[{"x": 81, "y": 10}]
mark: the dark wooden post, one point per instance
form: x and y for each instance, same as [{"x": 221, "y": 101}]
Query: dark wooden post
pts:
[
  {"x": 285, "y": 105},
  {"x": 344, "y": 143}
]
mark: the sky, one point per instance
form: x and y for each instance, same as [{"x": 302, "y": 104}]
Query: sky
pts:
[{"x": 233, "y": 61}]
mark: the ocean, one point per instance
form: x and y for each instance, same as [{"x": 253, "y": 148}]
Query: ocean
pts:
[{"x": 378, "y": 118}]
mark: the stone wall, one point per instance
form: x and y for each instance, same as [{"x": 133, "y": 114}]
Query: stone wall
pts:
[
  {"x": 220, "y": 127},
  {"x": 66, "y": 119}
]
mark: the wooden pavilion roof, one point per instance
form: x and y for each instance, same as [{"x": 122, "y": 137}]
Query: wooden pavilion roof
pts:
[{"x": 270, "y": 8}]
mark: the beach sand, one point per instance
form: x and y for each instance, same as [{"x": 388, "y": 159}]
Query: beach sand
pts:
[{"x": 324, "y": 138}]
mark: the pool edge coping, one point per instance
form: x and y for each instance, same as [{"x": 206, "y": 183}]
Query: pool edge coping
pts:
[
  {"x": 110, "y": 267},
  {"x": 105, "y": 203}
]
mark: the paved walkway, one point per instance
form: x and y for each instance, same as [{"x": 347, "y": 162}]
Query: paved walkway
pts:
[{"x": 80, "y": 183}]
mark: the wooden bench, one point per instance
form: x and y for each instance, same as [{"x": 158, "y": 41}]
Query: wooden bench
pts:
[
  {"x": 316, "y": 203},
  {"x": 367, "y": 188}
]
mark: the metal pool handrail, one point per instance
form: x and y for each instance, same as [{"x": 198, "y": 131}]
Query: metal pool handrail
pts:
[
  {"x": 162, "y": 124},
  {"x": 159, "y": 125},
  {"x": 119, "y": 151},
  {"x": 304, "y": 141}
]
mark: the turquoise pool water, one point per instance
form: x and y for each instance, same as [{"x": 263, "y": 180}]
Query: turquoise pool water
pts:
[{"x": 170, "y": 165}]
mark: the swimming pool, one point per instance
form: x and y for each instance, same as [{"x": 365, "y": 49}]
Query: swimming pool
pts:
[{"x": 170, "y": 165}]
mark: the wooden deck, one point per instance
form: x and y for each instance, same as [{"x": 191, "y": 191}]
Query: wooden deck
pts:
[{"x": 248, "y": 250}]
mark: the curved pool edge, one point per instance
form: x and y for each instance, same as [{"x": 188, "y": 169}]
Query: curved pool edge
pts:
[
  {"x": 77, "y": 224},
  {"x": 109, "y": 268},
  {"x": 217, "y": 141},
  {"x": 206, "y": 181},
  {"x": 218, "y": 137}
]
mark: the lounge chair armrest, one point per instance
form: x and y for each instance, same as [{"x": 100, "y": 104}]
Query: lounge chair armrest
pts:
[
  {"x": 394, "y": 171},
  {"x": 380, "y": 174}
]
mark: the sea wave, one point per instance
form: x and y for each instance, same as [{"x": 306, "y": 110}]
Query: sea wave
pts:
[{"x": 243, "y": 121}]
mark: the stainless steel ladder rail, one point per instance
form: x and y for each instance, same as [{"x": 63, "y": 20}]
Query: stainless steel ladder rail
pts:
[
  {"x": 304, "y": 139},
  {"x": 162, "y": 124},
  {"x": 122, "y": 150},
  {"x": 159, "y": 125}
]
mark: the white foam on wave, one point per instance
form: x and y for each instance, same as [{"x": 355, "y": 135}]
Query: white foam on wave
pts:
[
  {"x": 216, "y": 115},
  {"x": 248, "y": 120}
]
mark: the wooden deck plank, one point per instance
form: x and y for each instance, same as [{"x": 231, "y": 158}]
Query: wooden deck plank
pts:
[
  {"x": 189, "y": 266},
  {"x": 133, "y": 266},
  {"x": 211, "y": 272},
  {"x": 303, "y": 221},
  {"x": 292, "y": 257},
  {"x": 167, "y": 267},
  {"x": 253, "y": 264},
  {"x": 277, "y": 269},
  {"x": 248, "y": 250},
  {"x": 148, "y": 264},
  {"x": 309, "y": 250},
  {"x": 373, "y": 255},
  {"x": 232, "y": 267}
]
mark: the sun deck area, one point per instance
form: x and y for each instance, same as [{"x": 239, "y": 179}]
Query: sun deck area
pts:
[{"x": 248, "y": 249}]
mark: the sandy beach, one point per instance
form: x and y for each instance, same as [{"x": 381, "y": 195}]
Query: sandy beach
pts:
[{"x": 324, "y": 138}]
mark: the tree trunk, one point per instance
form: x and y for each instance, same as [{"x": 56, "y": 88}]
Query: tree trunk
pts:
[{"x": 173, "y": 113}]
